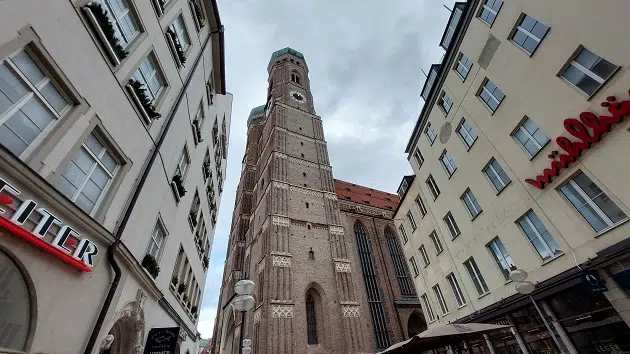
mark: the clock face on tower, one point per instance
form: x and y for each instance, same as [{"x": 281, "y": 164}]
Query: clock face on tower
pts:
[{"x": 296, "y": 96}]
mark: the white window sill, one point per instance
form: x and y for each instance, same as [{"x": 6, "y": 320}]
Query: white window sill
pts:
[
  {"x": 599, "y": 234},
  {"x": 544, "y": 263}
]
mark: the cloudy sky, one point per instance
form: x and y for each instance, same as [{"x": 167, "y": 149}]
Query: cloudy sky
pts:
[{"x": 365, "y": 59}]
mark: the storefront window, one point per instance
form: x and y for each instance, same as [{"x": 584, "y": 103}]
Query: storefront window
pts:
[
  {"x": 503, "y": 340},
  {"x": 533, "y": 331},
  {"x": 15, "y": 308}
]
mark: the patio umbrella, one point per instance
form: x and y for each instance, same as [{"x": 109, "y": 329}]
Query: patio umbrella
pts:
[{"x": 441, "y": 335}]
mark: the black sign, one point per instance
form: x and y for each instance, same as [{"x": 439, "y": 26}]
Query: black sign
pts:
[
  {"x": 593, "y": 282},
  {"x": 162, "y": 340}
]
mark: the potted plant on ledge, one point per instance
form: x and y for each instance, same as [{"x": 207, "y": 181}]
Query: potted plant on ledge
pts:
[
  {"x": 173, "y": 41},
  {"x": 100, "y": 22},
  {"x": 178, "y": 187},
  {"x": 150, "y": 264},
  {"x": 181, "y": 288},
  {"x": 174, "y": 282},
  {"x": 206, "y": 262},
  {"x": 139, "y": 95}
]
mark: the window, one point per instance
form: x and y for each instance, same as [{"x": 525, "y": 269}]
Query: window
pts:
[
  {"x": 530, "y": 137},
  {"x": 467, "y": 133},
  {"x": 445, "y": 102},
  {"x": 588, "y": 71},
  {"x": 427, "y": 307},
  {"x": 311, "y": 321},
  {"x": 594, "y": 205},
  {"x": 528, "y": 33},
  {"x": 440, "y": 297},
  {"x": 180, "y": 32},
  {"x": 157, "y": 238},
  {"x": 295, "y": 78},
  {"x": 539, "y": 236},
  {"x": 477, "y": 278},
  {"x": 451, "y": 224},
  {"x": 412, "y": 222},
  {"x": 87, "y": 176},
  {"x": 471, "y": 203},
  {"x": 463, "y": 66},
  {"x": 436, "y": 243},
  {"x": 451, "y": 26},
  {"x": 420, "y": 204},
  {"x": 497, "y": 176},
  {"x": 448, "y": 163},
  {"x": 414, "y": 266},
  {"x": 16, "y": 306},
  {"x": 435, "y": 191},
  {"x": 430, "y": 132},
  {"x": 148, "y": 75},
  {"x": 401, "y": 228},
  {"x": 425, "y": 256},
  {"x": 489, "y": 11},
  {"x": 459, "y": 296},
  {"x": 501, "y": 257},
  {"x": 182, "y": 165},
  {"x": 193, "y": 214},
  {"x": 197, "y": 124},
  {"x": 419, "y": 158},
  {"x": 375, "y": 301},
  {"x": 30, "y": 103},
  {"x": 491, "y": 95},
  {"x": 123, "y": 20},
  {"x": 398, "y": 259}
]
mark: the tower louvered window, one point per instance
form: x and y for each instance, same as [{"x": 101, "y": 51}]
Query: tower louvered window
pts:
[
  {"x": 311, "y": 321},
  {"x": 398, "y": 259},
  {"x": 379, "y": 320}
]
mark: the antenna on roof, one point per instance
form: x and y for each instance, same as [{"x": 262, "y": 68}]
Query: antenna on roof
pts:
[
  {"x": 425, "y": 74},
  {"x": 446, "y": 7}
]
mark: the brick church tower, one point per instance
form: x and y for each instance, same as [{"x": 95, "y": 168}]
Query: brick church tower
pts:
[{"x": 287, "y": 234}]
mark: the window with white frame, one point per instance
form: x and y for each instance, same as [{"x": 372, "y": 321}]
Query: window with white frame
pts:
[
  {"x": 427, "y": 307},
  {"x": 438, "y": 293},
  {"x": 501, "y": 257},
  {"x": 436, "y": 242},
  {"x": 588, "y": 71},
  {"x": 477, "y": 278},
  {"x": 445, "y": 102},
  {"x": 421, "y": 207},
  {"x": 457, "y": 291},
  {"x": 89, "y": 173},
  {"x": 414, "y": 266},
  {"x": 497, "y": 175},
  {"x": 449, "y": 220},
  {"x": 412, "y": 221},
  {"x": 149, "y": 75},
  {"x": 467, "y": 133},
  {"x": 179, "y": 28},
  {"x": 592, "y": 203},
  {"x": 448, "y": 163},
  {"x": 491, "y": 95},
  {"x": 539, "y": 236},
  {"x": 531, "y": 138},
  {"x": 469, "y": 200},
  {"x": 157, "y": 239},
  {"x": 124, "y": 22},
  {"x": 528, "y": 33},
  {"x": 463, "y": 66},
  {"x": 489, "y": 10},
  {"x": 425, "y": 256},
  {"x": 182, "y": 164},
  {"x": 419, "y": 158},
  {"x": 430, "y": 132},
  {"x": 403, "y": 233},
  {"x": 30, "y": 103},
  {"x": 435, "y": 191},
  {"x": 193, "y": 214}
]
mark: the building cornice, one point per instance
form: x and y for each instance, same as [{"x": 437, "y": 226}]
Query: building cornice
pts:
[{"x": 357, "y": 208}]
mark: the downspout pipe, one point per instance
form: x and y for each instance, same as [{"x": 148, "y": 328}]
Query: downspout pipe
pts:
[{"x": 111, "y": 250}]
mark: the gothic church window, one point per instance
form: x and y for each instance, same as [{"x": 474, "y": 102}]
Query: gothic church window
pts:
[
  {"x": 295, "y": 78},
  {"x": 311, "y": 320},
  {"x": 398, "y": 259}
]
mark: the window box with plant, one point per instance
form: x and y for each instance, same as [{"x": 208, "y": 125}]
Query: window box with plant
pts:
[
  {"x": 182, "y": 288},
  {"x": 104, "y": 29},
  {"x": 197, "y": 131},
  {"x": 193, "y": 311},
  {"x": 138, "y": 93},
  {"x": 151, "y": 265},
  {"x": 174, "y": 282},
  {"x": 176, "y": 47},
  {"x": 206, "y": 262},
  {"x": 198, "y": 15},
  {"x": 214, "y": 218},
  {"x": 192, "y": 218},
  {"x": 159, "y": 7},
  {"x": 177, "y": 184}
]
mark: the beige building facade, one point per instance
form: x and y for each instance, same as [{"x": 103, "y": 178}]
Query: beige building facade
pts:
[
  {"x": 509, "y": 173},
  {"x": 114, "y": 126}
]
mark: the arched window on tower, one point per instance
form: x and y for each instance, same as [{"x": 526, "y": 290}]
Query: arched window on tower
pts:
[
  {"x": 400, "y": 267},
  {"x": 295, "y": 77},
  {"x": 311, "y": 320}
]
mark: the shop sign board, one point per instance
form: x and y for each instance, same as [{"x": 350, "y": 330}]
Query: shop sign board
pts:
[
  {"x": 162, "y": 340},
  {"x": 593, "y": 282}
]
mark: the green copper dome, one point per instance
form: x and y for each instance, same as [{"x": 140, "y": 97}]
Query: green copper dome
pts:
[
  {"x": 282, "y": 52},
  {"x": 257, "y": 111}
]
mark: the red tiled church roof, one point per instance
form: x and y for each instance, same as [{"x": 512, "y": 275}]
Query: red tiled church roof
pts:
[{"x": 365, "y": 195}]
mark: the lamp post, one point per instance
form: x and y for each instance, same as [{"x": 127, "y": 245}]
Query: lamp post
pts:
[
  {"x": 526, "y": 287},
  {"x": 243, "y": 303}
]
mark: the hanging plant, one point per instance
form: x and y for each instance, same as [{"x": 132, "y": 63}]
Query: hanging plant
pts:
[
  {"x": 181, "y": 288},
  {"x": 151, "y": 265},
  {"x": 178, "y": 47},
  {"x": 174, "y": 281},
  {"x": 199, "y": 13},
  {"x": 179, "y": 183},
  {"x": 108, "y": 29},
  {"x": 193, "y": 310},
  {"x": 206, "y": 262},
  {"x": 141, "y": 92},
  {"x": 185, "y": 298}
]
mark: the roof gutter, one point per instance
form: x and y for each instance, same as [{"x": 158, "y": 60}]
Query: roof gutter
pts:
[{"x": 447, "y": 63}]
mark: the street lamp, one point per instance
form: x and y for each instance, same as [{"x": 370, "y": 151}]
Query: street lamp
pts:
[
  {"x": 243, "y": 303},
  {"x": 526, "y": 287}
]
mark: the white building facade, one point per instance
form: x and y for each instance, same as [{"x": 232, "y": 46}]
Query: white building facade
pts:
[
  {"x": 114, "y": 126},
  {"x": 520, "y": 162}
]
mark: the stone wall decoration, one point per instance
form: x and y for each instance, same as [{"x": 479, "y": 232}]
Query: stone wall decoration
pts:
[
  {"x": 342, "y": 267},
  {"x": 281, "y": 311},
  {"x": 280, "y": 221},
  {"x": 350, "y": 311},
  {"x": 336, "y": 230},
  {"x": 281, "y": 261}
]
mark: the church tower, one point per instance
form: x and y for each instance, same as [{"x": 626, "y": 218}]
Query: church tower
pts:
[{"x": 287, "y": 234}]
